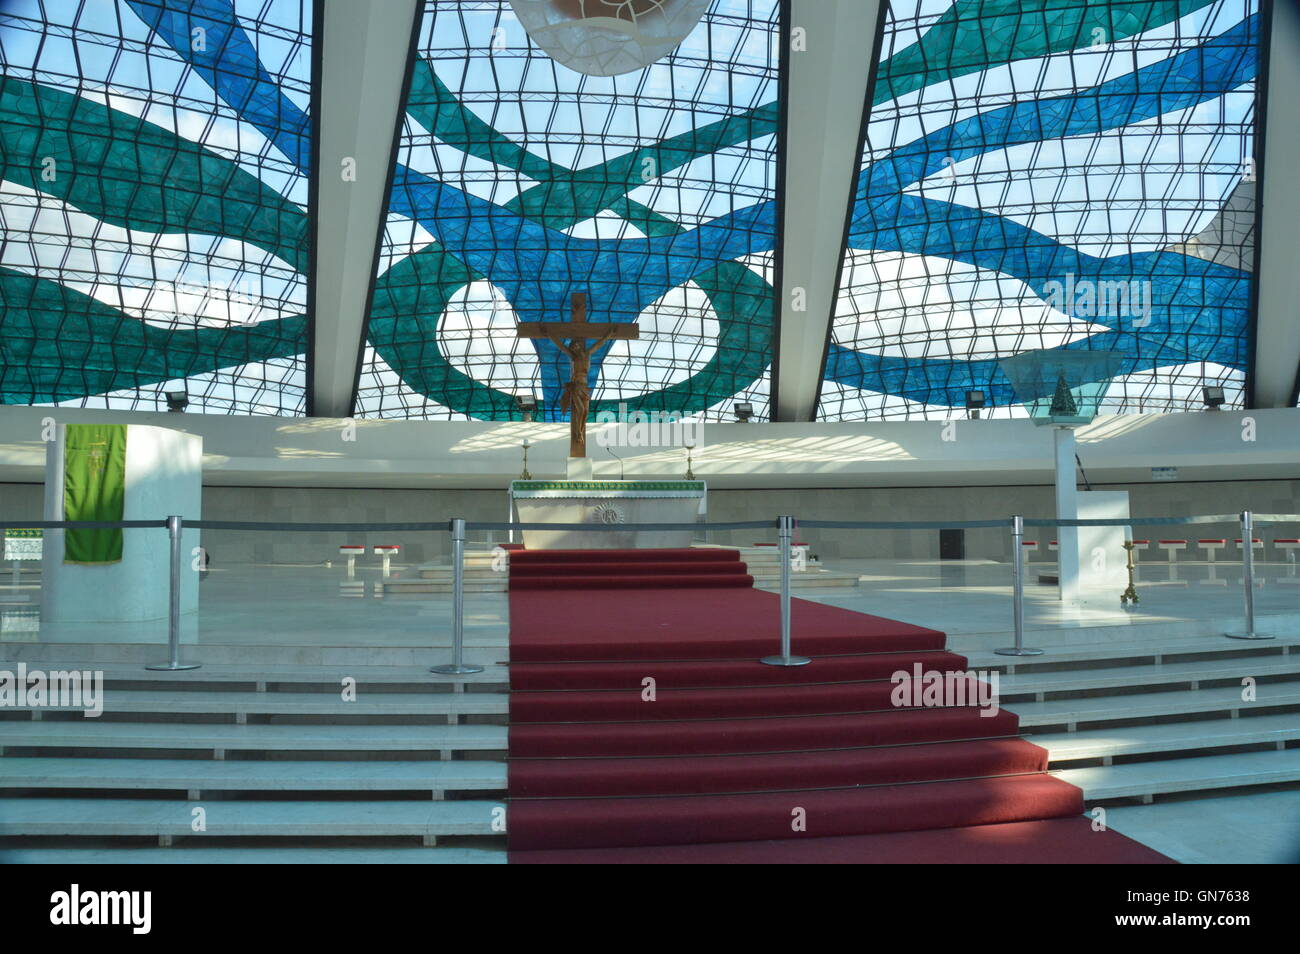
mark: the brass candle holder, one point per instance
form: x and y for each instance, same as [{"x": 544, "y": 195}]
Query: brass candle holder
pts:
[{"x": 1130, "y": 594}]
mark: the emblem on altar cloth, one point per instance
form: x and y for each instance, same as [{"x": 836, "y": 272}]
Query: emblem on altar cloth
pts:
[{"x": 607, "y": 513}]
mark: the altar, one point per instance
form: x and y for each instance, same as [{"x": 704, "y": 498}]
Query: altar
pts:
[{"x": 609, "y": 502}]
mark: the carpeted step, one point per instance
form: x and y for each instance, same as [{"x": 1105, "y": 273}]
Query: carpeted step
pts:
[
  {"x": 693, "y": 819},
  {"x": 577, "y": 778},
  {"x": 726, "y": 736},
  {"x": 626, "y": 568},
  {"x": 706, "y": 623},
  {"x": 678, "y": 555},
  {"x": 1049, "y": 841},
  {"x": 630, "y": 705},
  {"x": 655, "y": 581},
  {"x": 733, "y": 753},
  {"x": 716, "y": 673},
  {"x": 675, "y": 569}
]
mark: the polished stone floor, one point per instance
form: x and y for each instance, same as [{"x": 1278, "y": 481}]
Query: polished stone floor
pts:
[
  {"x": 282, "y": 606},
  {"x": 970, "y": 600},
  {"x": 1260, "y": 827}
]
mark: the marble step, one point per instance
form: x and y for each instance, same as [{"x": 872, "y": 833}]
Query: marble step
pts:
[
  {"x": 825, "y": 579},
  {"x": 430, "y": 583},
  {"x": 1196, "y": 774},
  {"x": 153, "y": 817},
  {"x": 367, "y": 677},
  {"x": 441, "y": 571},
  {"x": 1042, "y": 683},
  {"x": 485, "y": 645},
  {"x": 1209, "y": 734},
  {"x": 247, "y": 776},
  {"x": 451, "y": 704},
  {"x": 87, "y": 733},
  {"x": 1135, "y": 651},
  {"x": 1153, "y": 705},
  {"x": 218, "y": 855},
  {"x": 497, "y": 584}
]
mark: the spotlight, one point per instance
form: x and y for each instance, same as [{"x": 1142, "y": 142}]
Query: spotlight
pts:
[
  {"x": 744, "y": 411},
  {"x": 1212, "y": 396},
  {"x": 974, "y": 401},
  {"x": 527, "y": 405},
  {"x": 177, "y": 401}
]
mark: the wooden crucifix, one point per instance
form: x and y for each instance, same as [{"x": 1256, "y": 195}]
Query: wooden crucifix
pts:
[{"x": 578, "y": 331}]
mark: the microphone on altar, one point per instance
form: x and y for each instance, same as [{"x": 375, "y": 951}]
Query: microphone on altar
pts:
[{"x": 620, "y": 462}]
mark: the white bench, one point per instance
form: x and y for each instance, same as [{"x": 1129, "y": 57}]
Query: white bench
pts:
[
  {"x": 1288, "y": 546},
  {"x": 1138, "y": 547},
  {"x": 1255, "y": 543},
  {"x": 1171, "y": 547},
  {"x": 1027, "y": 547},
  {"x": 352, "y": 552},
  {"x": 386, "y": 552},
  {"x": 1212, "y": 547}
]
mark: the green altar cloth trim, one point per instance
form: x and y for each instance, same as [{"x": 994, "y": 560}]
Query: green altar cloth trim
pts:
[
  {"x": 14, "y": 533},
  {"x": 94, "y": 488},
  {"x": 599, "y": 485}
]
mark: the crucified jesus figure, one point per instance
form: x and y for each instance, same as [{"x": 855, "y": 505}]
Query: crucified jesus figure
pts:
[{"x": 572, "y": 338}]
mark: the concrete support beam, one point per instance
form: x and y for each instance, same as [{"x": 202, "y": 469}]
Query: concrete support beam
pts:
[
  {"x": 830, "y": 63},
  {"x": 364, "y": 66},
  {"x": 1277, "y": 335}
]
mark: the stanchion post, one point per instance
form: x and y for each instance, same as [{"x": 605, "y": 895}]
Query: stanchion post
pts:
[
  {"x": 785, "y": 538},
  {"x": 457, "y": 666},
  {"x": 1248, "y": 578},
  {"x": 1018, "y": 591},
  {"x": 174, "y": 527}
]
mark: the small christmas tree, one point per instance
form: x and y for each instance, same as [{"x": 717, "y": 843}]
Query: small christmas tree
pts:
[{"x": 1063, "y": 401}]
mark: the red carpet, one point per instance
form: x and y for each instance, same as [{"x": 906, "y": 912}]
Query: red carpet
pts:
[{"x": 734, "y": 761}]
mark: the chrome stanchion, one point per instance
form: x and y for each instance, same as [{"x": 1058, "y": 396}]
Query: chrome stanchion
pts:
[
  {"x": 1018, "y": 591},
  {"x": 457, "y": 666},
  {"x": 785, "y": 536},
  {"x": 1248, "y": 578},
  {"x": 174, "y": 664}
]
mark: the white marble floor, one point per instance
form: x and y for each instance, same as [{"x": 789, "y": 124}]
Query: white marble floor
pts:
[
  {"x": 970, "y": 600},
  {"x": 1248, "y": 828}
]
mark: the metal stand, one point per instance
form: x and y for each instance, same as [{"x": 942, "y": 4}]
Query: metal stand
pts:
[
  {"x": 1130, "y": 594},
  {"x": 457, "y": 666},
  {"x": 785, "y": 534},
  {"x": 1248, "y": 578},
  {"x": 174, "y": 664},
  {"x": 1018, "y": 591}
]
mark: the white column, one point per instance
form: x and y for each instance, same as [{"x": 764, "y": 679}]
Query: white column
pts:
[
  {"x": 363, "y": 68},
  {"x": 1067, "y": 508},
  {"x": 1277, "y": 335},
  {"x": 829, "y": 66}
]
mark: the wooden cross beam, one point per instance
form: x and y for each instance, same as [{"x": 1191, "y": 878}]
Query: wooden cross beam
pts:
[
  {"x": 578, "y": 326},
  {"x": 571, "y": 337}
]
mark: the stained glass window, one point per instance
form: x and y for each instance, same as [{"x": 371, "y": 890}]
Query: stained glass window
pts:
[
  {"x": 155, "y": 166},
  {"x": 1047, "y": 174},
  {"x": 521, "y": 181}
]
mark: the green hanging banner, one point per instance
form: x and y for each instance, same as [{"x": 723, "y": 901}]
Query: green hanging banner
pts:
[{"x": 94, "y": 488}]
